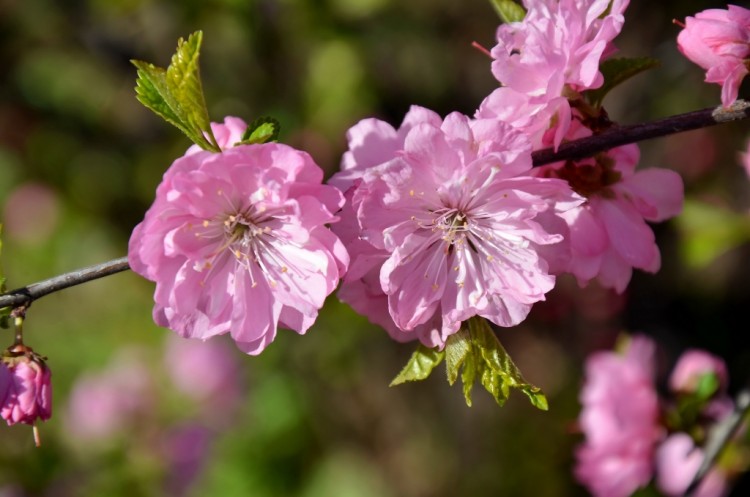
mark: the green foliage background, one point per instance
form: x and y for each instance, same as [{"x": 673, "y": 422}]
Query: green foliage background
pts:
[{"x": 318, "y": 418}]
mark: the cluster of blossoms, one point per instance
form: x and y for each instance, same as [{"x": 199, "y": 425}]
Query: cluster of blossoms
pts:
[
  {"x": 25, "y": 391},
  {"x": 633, "y": 435},
  {"x": 444, "y": 219}
]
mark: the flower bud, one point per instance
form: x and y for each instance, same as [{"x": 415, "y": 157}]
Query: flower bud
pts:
[
  {"x": 25, "y": 389},
  {"x": 692, "y": 366}
]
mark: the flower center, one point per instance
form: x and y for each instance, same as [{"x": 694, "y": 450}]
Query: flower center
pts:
[
  {"x": 240, "y": 231},
  {"x": 589, "y": 179}
]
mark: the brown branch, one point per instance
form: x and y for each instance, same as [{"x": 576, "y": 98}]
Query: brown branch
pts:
[
  {"x": 26, "y": 295},
  {"x": 622, "y": 135}
]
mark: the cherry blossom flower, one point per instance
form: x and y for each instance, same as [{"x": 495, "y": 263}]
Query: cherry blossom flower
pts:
[
  {"x": 719, "y": 41},
  {"x": 608, "y": 235},
  {"x": 25, "y": 387},
  {"x": 237, "y": 243},
  {"x": 619, "y": 419},
  {"x": 444, "y": 224},
  {"x": 552, "y": 55},
  {"x": 677, "y": 462}
]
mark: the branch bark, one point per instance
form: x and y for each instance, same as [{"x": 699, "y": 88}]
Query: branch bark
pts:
[
  {"x": 622, "y": 135},
  {"x": 28, "y": 294}
]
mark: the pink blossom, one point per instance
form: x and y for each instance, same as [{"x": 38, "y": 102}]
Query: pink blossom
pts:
[
  {"x": 101, "y": 405},
  {"x": 619, "y": 419},
  {"x": 25, "y": 387},
  {"x": 237, "y": 243},
  {"x": 443, "y": 225},
  {"x": 553, "y": 54},
  {"x": 719, "y": 42},
  {"x": 608, "y": 234},
  {"x": 677, "y": 462},
  {"x": 692, "y": 365}
]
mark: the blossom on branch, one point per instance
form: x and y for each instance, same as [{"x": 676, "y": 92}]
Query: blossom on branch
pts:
[
  {"x": 608, "y": 235},
  {"x": 443, "y": 223},
  {"x": 719, "y": 41},
  {"x": 25, "y": 387},
  {"x": 237, "y": 242},
  {"x": 552, "y": 55}
]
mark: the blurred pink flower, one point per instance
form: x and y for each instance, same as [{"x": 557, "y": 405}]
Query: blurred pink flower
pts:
[
  {"x": 206, "y": 372},
  {"x": 25, "y": 386},
  {"x": 677, "y": 461},
  {"x": 101, "y": 405},
  {"x": 237, "y": 242},
  {"x": 608, "y": 235},
  {"x": 442, "y": 224},
  {"x": 719, "y": 41},
  {"x": 692, "y": 365},
  {"x": 620, "y": 420}
]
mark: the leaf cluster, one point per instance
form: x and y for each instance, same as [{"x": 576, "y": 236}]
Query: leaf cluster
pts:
[{"x": 476, "y": 354}]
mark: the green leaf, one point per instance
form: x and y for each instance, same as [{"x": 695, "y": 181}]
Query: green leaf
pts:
[
  {"x": 262, "y": 130},
  {"x": 420, "y": 365},
  {"x": 184, "y": 81},
  {"x": 617, "y": 71},
  {"x": 708, "y": 385},
  {"x": 456, "y": 354},
  {"x": 176, "y": 94},
  {"x": 476, "y": 348},
  {"x": 508, "y": 10}
]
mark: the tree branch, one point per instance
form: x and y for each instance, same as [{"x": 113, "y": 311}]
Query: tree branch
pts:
[
  {"x": 577, "y": 149},
  {"x": 26, "y": 295},
  {"x": 622, "y": 135},
  {"x": 719, "y": 437}
]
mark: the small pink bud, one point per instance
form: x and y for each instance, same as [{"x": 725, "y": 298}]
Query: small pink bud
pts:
[
  {"x": 692, "y": 366},
  {"x": 25, "y": 389}
]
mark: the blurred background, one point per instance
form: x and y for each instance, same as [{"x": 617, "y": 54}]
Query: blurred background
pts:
[{"x": 313, "y": 416}]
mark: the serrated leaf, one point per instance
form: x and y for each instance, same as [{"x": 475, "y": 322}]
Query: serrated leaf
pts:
[
  {"x": 616, "y": 72},
  {"x": 477, "y": 349},
  {"x": 262, "y": 130},
  {"x": 184, "y": 82},
  {"x": 455, "y": 355},
  {"x": 152, "y": 91},
  {"x": 175, "y": 94},
  {"x": 420, "y": 365},
  {"x": 508, "y": 10}
]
